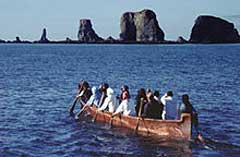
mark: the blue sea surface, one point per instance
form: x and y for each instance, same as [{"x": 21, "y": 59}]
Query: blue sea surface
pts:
[{"x": 38, "y": 84}]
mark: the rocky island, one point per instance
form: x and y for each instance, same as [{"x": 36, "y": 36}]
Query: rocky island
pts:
[
  {"x": 140, "y": 27},
  {"x": 86, "y": 32},
  {"x": 210, "y": 29},
  {"x": 143, "y": 28}
]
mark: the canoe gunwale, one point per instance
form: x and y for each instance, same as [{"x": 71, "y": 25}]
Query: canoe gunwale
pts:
[{"x": 169, "y": 128}]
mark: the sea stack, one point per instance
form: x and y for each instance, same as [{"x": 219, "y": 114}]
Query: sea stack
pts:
[
  {"x": 86, "y": 33},
  {"x": 18, "y": 40},
  {"x": 210, "y": 29},
  {"x": 44, "y": 38},
  {"x": 141, "y": 27}
]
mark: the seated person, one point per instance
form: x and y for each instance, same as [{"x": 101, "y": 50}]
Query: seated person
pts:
[
  {"x": 123, "y": 107},
  {"x": 186, "y": 107},
  {"x": 124, "y": 88},
  {"x": 159, "y": 106},
  {"x": 170, "y": 106},
  {"x": 140, "y": 95},
  {"x": 83, "y": 94},
  {"x": 94, "y": 99},
  {"x": 109, "y": 101},
  {"x": 103, "y": 89},
  {"x": 154, "y": 107},
  {"x": 84, "y": 91}
]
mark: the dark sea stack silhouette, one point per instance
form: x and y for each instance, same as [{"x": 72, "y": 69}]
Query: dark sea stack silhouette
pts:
[
  {"x": 68, "y": 39},
  {"x": 43, "y": 38},
  {"x": 18, "y": 40},
  {"x": 210, "y": 29},
  {"x": 86, "y": 33},
  {"x": 141, "y": 27}
]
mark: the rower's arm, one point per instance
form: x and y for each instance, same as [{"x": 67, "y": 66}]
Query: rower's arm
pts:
[{"x": 102, "y": 99}]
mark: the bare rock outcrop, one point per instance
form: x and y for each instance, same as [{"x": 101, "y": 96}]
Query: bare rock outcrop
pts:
[
  {"x": 141, "y": 27},
  {"x": 86, "y": 33},
  {"x": 210, "y": 29},
  {"x": 181, "y": 40},
  {"x": 18, "y": 40},
  {"x": 43, "y": 38}
]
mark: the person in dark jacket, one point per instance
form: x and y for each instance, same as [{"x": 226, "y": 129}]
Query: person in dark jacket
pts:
[
  {"x": 154, "y": 107},
  {"x": 86, "y": 92},
  {"x": 159, "y": 106},
  {"x": 83, "y": 94},
  {"x": 186, "y": 107},
  {"x": 140, "y": 95}
]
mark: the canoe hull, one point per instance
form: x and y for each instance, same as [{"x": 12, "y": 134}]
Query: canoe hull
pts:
[{"x": 180, "y": 129}]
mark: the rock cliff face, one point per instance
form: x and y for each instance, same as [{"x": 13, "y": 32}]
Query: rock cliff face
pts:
[
  {"x": 210, "y": 29},
  {"x": 86, "y": 32},
  {"x": 140, "y": 26}
]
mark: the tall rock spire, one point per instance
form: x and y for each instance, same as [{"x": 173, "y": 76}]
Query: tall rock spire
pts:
[{"x": 44, "y": 38}]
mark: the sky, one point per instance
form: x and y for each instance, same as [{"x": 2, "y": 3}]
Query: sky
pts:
[{"x": 27, "y": 18}]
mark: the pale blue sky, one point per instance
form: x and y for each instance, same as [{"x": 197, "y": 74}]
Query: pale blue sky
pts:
[{"x": 27, "y": 18}]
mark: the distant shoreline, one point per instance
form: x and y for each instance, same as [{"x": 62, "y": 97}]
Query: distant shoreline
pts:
[
  {"x": 142, "y": 28},
  {"x": 75, "y": 42}
]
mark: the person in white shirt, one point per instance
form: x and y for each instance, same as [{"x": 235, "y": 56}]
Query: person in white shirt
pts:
[
  {"x": 109, "y": 101},
  {"x": 123, "y": 107},
  {"x": 170, "y": 107}
]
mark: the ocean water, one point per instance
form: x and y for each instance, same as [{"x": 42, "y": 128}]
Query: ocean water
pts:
[{"x": 38, "y": 84}]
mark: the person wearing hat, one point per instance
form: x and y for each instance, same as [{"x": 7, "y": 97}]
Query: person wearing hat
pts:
[{"x": 109, "y": 101}]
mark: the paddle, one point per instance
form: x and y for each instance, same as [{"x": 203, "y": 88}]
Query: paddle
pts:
[
  {"x": 99, "y": 104},
  {"x": 200, "y": 139},
  {"x": 76, "y": 99},
  {"x": 139, "y": 114},
  {"x": 110, "y": 122},
  {"x": 74, "y": 104},
  {"x": 81, "y": 111},
  {"x": 94, "y": 119},
  {"x": 112, "y": 116}
]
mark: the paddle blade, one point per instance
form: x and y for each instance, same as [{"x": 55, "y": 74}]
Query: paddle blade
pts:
[
  {"x": 200, "y": 139},
  {"x": 73, "y": 105},
  {"x": 95, "y": 117}
]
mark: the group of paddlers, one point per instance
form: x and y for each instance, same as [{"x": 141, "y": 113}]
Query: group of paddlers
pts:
[{"x": 148, "y": 104}]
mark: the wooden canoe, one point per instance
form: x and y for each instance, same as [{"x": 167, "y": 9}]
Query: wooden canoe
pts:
[{"x": 174, "y": 129}]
